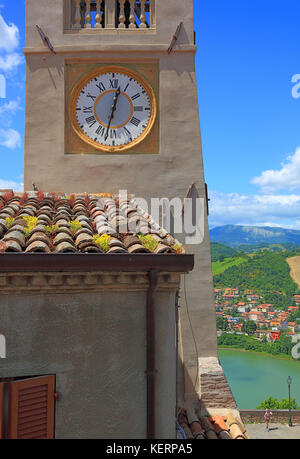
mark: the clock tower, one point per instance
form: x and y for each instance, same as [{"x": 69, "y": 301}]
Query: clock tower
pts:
[{"x": 111, "y": 104}]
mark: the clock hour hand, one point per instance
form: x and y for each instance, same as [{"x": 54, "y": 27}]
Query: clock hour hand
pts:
[{"x": 112, "y": 113}]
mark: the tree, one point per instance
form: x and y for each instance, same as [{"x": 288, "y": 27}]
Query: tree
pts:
[
  {"x": 222, "y": 323},
  {"x": 249, "y": 327},
  {"x": 274, "y": 404},
  {"x": 284, "y": 404},
  {"x": 269, "y": 403}
]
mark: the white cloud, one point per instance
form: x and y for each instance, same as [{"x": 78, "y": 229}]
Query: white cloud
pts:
[
  {"x": 288, "y": 177},
  {"x": 10, "y": 138},
  {"x": 11, "y": 107},
  {"x": 257, "y": 210},
  {"x": 10, "y": 62},
  {"x": 9, "y": 42},
  {"x": 9, "y": 36},
  {"x": 11, "y": 185}
]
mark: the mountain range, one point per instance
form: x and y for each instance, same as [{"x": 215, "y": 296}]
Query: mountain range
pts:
[{"x": 236, "y": 235}]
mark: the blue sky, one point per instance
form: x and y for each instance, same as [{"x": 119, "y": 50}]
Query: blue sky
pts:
[{"x": 248, "y": 53}]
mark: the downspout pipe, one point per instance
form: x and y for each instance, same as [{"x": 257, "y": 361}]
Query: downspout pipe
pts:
[{"x": 151, "y": 370}]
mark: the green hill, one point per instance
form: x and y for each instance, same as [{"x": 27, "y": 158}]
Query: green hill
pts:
[
  {"x": 218, "y": 267},
  {"x": 266, "y": 271},
  {"x": 219, "y": 251},
  {"x": 255, "y": 248}
]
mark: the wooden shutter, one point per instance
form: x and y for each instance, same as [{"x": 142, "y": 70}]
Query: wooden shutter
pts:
[
  {"x": 1, "y": 408},
  {"x": 31, "y": 408}
]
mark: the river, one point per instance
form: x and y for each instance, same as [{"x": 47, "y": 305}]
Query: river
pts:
[{"x": 254, "y": 377}]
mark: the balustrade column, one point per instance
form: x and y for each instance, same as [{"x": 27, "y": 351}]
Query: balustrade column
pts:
[
  {"x": 88, "y": 17},
  {"x": 98, "y": 17},
  {"x": 77, "y": 17},
  {"x": 143, "y": 20},
  {"x": 132, "y": 24},
  {"x": 110, "y": 14},
  {"x": 122, "y": 18}
]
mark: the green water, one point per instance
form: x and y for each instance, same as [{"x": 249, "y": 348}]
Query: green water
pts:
[{"x": 254, "y": 377}]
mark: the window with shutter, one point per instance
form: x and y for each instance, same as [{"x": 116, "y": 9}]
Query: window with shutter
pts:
[
  {"x": 1, "y": 408},
  {"x": 31, "y": 408}
]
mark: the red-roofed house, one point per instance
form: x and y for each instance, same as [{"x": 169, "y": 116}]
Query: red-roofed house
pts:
[{"x": 275, "y": 335}]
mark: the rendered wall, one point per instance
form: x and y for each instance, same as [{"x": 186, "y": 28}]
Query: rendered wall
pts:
[{"x": 95, "y": 344}]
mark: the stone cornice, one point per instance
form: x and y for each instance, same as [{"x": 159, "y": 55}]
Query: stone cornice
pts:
[
  {"x": 110, "y": 48},
  {"x": 82, "y": 282}
]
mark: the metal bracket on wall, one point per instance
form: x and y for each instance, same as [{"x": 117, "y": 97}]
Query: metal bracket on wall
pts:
[
  {"x": 207, "y": 199},
  {"x": 175, "y": 38},
  {"x": 45, "y": 39}
]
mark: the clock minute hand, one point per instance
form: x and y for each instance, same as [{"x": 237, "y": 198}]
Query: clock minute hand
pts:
[{"x": 112, "y": 113}]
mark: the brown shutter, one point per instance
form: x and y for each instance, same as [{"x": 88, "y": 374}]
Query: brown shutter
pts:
[
  {"x": 31, "y": 408},
  {"x": 1, "y": 408}
]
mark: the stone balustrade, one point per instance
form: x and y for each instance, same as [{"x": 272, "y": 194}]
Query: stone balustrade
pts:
[{"x": 112, "y": 14}]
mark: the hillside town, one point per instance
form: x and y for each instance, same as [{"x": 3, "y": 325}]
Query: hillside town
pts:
[{"x": 235, "y": 308}]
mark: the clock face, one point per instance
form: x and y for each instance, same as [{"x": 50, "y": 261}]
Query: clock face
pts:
[{"x": 112, "y": 109}]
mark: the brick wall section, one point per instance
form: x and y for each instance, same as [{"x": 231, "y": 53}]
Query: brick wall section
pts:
[
  {"x": 257, "y": 416},
  {"x": 215, "y": 390}
]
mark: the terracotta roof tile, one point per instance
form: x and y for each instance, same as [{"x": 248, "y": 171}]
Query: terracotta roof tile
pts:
[
  {"x": 48, "y": 222},
  {"x": 211, "y": 427}
]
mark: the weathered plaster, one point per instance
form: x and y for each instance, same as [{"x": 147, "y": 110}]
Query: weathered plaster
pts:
[{"x": 90, "y": 332}]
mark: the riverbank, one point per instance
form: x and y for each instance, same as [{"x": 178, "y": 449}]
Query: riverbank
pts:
[{"x": 279, "y": 356}]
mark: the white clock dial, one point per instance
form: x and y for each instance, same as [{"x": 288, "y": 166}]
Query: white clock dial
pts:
[{"x": 113, "y": 109}]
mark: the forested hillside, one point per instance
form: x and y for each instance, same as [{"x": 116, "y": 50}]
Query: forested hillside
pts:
[
  {"x": 220, "y": 251},
  {"x": 266, "y": 271}
]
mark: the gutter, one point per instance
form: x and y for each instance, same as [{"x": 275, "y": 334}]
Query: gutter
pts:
[
  {"x": 151, "y": 371},
  {"x": 78, "y": 262}
]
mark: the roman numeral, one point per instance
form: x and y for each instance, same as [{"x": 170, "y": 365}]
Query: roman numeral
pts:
[
  {"x": 113, "y": 133},
  {"x": 126, "y": 87},
  {"x": 114, "y": 84},
  {"x": 91, "y": 121},
  {"x": 88, "y": 109},
  {"x": 128, "y": 133},
  {"x": 136, "y": 96},
  {"x": 138, "y": 109},
  {"x": 135, "y": 121},
  {"x": 91, "y": 97},
  {"x": 101, "y": 87},
  {"x": 100, "y": 131}
]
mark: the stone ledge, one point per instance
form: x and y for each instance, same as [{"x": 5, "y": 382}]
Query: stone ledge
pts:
[
  {"x": 214, "y": 389},
  {"x": 80, "y": 282},
  {"x": 257, "y": 416},
  {"x": 105, "y": 48}
]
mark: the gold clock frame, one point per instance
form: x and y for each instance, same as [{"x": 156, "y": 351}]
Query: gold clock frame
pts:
[{"x": 98, "y": 72}]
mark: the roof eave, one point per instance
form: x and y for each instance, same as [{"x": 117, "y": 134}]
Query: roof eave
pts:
[{"x": 90, "y": 262}]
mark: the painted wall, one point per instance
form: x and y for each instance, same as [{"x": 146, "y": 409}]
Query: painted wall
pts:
[{"x": 95, "y": 344}]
